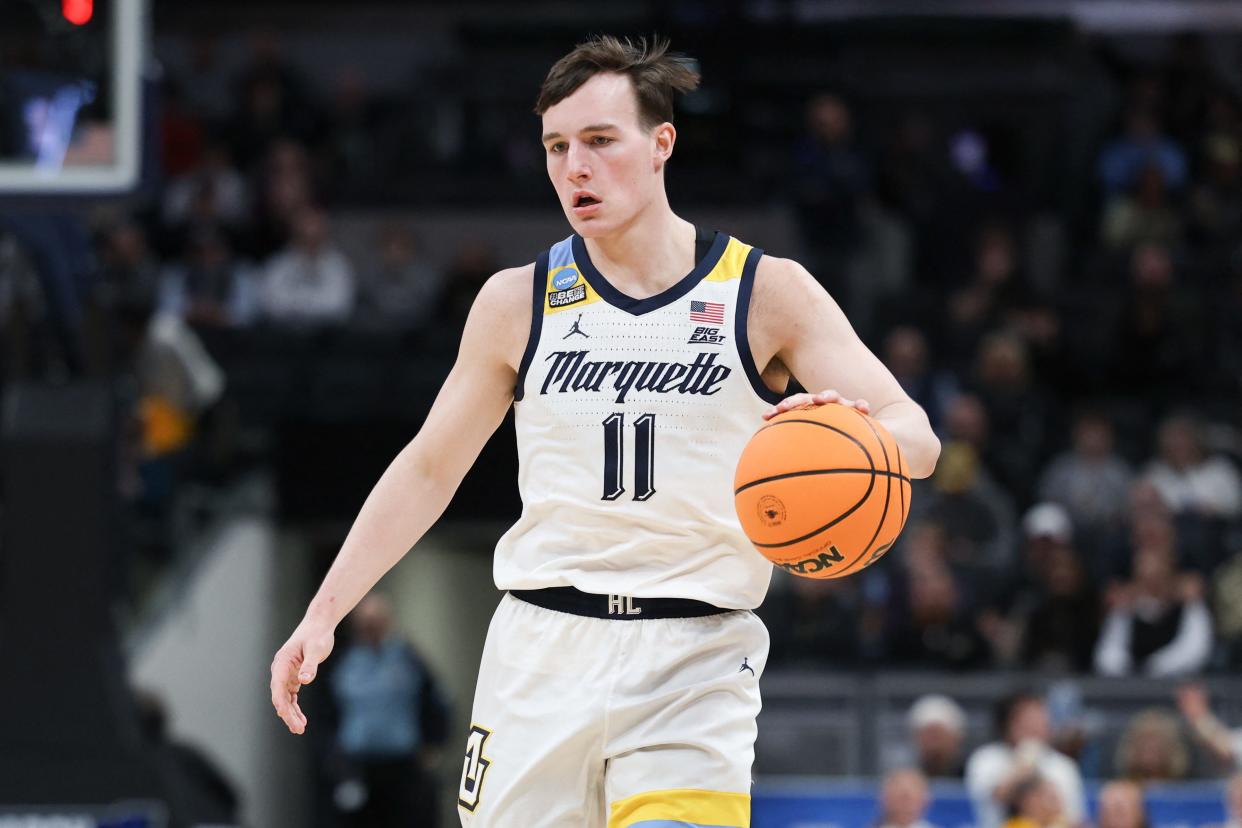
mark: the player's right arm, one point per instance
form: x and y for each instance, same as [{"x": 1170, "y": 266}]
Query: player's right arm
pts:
[{"x": 419, "y": 483}]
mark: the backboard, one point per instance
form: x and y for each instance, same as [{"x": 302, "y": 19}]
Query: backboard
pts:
[{"x": 70, "y": 95}]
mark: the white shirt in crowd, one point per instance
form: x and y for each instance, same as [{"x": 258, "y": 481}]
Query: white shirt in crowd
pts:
[
  {"x": 302, "y": 287},
  {"x": 1187, "y": 653},
  {"x": 990, "y": 764},
  {"x": 1212, "y": 486}
]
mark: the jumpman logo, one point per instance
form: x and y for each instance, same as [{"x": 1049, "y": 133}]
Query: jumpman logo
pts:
[
  {"x": 746, "y": 666},
  {"x": 576, "y": 330}
]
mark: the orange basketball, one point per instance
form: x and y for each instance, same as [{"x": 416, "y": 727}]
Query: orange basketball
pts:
[{"x": 822, "y": 491}]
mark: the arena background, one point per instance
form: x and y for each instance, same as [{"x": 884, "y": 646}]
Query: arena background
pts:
[{"x": 1030, "y": 209}]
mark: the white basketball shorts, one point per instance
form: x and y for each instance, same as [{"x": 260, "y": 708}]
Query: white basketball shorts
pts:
[{"x": 587, "y": 722}]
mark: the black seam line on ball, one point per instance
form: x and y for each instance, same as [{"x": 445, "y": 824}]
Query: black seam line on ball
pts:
[
  {"x": 888, "y": 496},
  {"x": 845, "y": 434},
  {"x": 901, "y": 491},
  {"x": 876, "y": 472}
]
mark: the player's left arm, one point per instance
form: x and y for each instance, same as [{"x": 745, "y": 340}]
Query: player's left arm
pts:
[{"x": 795, "y": 321}]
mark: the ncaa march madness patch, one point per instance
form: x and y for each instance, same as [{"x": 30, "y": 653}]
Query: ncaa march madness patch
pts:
[{"x": 567, "y": 288}]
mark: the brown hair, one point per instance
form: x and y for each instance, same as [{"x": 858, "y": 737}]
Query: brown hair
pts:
[{"x": 656, "y": 73}]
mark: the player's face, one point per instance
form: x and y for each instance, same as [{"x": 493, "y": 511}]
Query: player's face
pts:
[{"x": 606, "y": 167}]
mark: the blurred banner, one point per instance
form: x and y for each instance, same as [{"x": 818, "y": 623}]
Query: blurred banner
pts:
[
  {"x": 120, "y": 815},
  {"x": 853, "y": 804}
]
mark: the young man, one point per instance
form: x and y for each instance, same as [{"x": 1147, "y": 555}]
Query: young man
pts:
[{"x": 619, "y": 682}]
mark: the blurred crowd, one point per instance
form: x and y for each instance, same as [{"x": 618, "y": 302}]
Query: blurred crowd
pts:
[
  {"x": 1085, "y": 380},
  {"x": 1082, "y": 364},
  {"x": 1031, "y": 773},
  {"x": 1083, "y": 369}
]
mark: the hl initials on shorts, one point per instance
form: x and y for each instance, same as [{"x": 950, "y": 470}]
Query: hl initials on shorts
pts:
[{"x": 623, "y": 605}]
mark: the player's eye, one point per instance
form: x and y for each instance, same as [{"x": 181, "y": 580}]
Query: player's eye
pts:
[
  {"x": 601, "y": 140},
  {"x": 558, "y": 147}
]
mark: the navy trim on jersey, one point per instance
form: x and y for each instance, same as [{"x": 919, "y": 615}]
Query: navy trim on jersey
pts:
[
  {"x": 638, "y": 307},
  {"x": 536, "y": 323},
  {"x": 740, "y": 337}
]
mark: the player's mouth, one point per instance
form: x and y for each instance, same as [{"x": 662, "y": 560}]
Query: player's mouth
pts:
[{"x": 585, "y": 203}]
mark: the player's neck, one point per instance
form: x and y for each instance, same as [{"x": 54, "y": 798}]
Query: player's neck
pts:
[{"x": 647, "y": 256}]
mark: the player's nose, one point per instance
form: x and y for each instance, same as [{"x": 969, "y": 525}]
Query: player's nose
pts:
[{"x": 576, "y": 167}]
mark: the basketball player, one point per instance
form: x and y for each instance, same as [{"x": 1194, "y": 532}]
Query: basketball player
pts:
[{"x": 619, "y": 681}]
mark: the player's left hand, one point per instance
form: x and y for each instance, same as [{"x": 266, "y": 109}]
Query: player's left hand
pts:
[{"x": 822, "y": 398}]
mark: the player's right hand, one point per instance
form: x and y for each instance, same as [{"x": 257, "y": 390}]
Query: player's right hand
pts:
[
  {"x": 294, "y": 665},
  {"x": 822, "y": 398}
]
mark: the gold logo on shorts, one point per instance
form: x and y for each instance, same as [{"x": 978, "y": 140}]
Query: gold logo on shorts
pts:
[{"x": 474, "y": 768}]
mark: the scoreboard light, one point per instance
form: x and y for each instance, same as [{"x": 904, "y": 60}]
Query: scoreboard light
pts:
[{"x": 78, "y": 12}]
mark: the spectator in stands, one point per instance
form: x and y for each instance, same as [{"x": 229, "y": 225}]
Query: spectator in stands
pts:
[
  {"x": 1233, "y": 802},
  {"x": 905, "y": 354},
  {"x": 967, "y": 421},
  {"x": 310, "y": 283},
  {"x": 472, "y": 265},
  {"x": 130, "y": 271},
  {"x": 985, "y": 303},
  {"x": 1035, "y": 804},
  {"x": 1007, "y": 390},
  {"x": 1158, "y": 623},
  {"x": 1227, "y": 606},
  {"x": 212, "y": 192},
  {"x": 205, "y": 76},
  {"x": 1120, "y": 805},
  {"x": 1151, "y": 749},
  {"x": 197, "y": 791},
  {"x": 1227, "y": 339},
  {"x": 1216, "y": 202},
  {"x": 1222, "y": 745},
  {"x": 937, "y": 727},
  {"x": 175, "y": 383},
  {"x": 273, "y": 102},
  {"x": 904, "y": 797},
  {"x": 23, "y": 311},
  {"x": 999, "y": 771},
  {"x": 976, "y": 516},
  {"x": 1142, "y": 146},
  {"x": 1090, "y": 480},
  {"x": 353, "y": 132},
  {"x": 833, "y": 182},
  {"x": 1051, "y": 616},
  {"x": 1150, "y": 522},
  {"x": 1188, "y": 477},
  {"x": 392, "y": 723},
  {"x": 931, "y": 615},
  {"x": 398, "y": 291},
  {"x": 823, "y": 622},
  {"x": 1158, "y": 340},
  {"x": 911, "y": 170},
  {"x": 1143, "y": 215},
  {"x": 285, "y": 190},
  {"x": 211, "y": 288},
  {"x": 182, "y": 131}
]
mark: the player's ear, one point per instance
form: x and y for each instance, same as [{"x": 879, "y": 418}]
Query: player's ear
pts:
[{"x": 665, "y": 136}]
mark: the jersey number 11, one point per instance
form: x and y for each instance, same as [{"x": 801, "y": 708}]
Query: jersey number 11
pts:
[{"x": 644, "y": 456}]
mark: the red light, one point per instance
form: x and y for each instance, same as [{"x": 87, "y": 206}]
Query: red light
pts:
[{"x": 78, "y": 12}]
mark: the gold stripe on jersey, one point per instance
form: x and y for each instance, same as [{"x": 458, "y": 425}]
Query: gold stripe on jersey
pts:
[
  {"x": 731, "y": 262},
  {"x": 688, "y": 807},
  {"x": 575, "y": 294}
]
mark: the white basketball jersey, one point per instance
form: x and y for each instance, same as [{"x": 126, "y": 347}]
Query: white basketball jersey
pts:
[{"x": 631, "y": 415}]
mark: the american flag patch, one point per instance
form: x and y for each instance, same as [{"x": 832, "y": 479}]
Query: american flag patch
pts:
[{"x": 710, "y": 312}]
